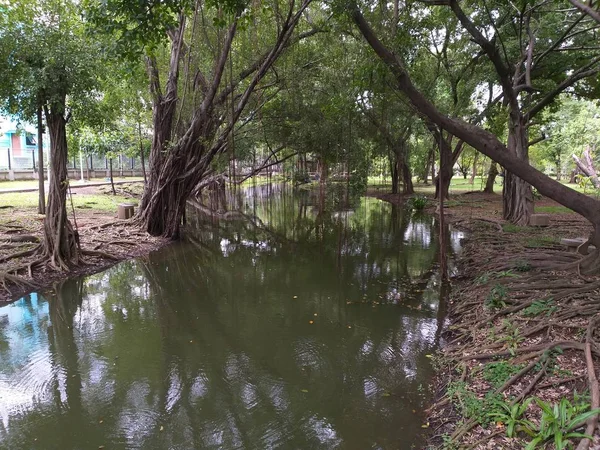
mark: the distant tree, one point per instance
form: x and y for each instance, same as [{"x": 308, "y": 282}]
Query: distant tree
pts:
[{"x": 572, "y": 130}]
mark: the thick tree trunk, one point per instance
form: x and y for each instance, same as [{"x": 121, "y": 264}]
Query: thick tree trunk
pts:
[
  {"x": 433, "y": 166},
  {"x": 447, "y": 160},
  {"x": 163, "y": 204},
  {"x": 430, "y": 158},
  {"x": 517, "y": 196},
  {"x": 491, "y": 178},
  {"x": 323, "y": 171},
  {"x": 60, "y": 244},
  {"x": 572, "y": 178}
]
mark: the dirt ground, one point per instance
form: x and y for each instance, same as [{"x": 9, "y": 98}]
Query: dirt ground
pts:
[
  {"x": 522, "y": 331},
  {"x": 106, "y": 240}
]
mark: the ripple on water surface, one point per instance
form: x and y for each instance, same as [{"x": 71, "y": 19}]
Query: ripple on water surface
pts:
[{"x": 198, "y": 347}]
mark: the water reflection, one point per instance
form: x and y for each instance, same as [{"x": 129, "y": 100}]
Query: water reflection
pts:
[{"x": 298, "y": 320}]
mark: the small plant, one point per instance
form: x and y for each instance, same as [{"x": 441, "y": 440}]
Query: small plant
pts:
[
  {"x": 583, "y": 182},
  {"x": 497, "y": 373},
  {"x": 483, "y": 278},
  {"x": 418, "y": 202},
  {"x": 522, "y": 266},
  {"x": 539, "y": 307},
  {"x": 512, "y": 336},
  {"x": 481, "y": 410},
  {"x": 513, "y": 416},
  {"x": 540, "y": 241},
  {"x": 497, "y": 297},
  {"x": 536, "y": 194},
  {"x": 558, "y": 423},
  {"x": 301, "y": 177},
  {"x": 505, "y": 273},
  {"x": 510, "y": 228},
  {"x": 448, "y": 443}
]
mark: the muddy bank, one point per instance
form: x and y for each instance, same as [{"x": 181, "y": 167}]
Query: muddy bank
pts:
[
  {"x": 104, "y": 239},
  {"x": 521, "y": 357}
]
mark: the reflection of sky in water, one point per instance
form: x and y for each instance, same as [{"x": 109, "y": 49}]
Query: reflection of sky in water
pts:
[{"x": 214, "y": 347}]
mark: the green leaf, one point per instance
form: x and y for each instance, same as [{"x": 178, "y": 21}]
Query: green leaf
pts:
[
  {"x": 581, "y": 418},
  {"x": 533, "y": 444}
]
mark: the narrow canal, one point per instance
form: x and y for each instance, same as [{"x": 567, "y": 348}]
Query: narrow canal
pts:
[{"x": 297, "y": 321}]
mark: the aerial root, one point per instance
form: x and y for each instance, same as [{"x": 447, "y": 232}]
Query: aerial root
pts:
[
  {"x": 6, "y": 278},
  {"x": 592, "y": 422}
]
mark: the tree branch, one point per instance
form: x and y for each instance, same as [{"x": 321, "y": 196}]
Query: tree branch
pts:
[
  {"x": 586, "y": 9},
  {"x": 478, "y": 138},
  {"x": 579, "y": 74}
]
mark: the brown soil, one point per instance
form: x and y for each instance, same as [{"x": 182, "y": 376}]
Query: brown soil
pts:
[
  {"x": 106, "y": 239},
  {"x": 518, "y": 327}
]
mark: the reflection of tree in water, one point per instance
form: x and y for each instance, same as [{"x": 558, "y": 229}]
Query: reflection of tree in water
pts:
[
  {"x": 266, "y": 270},
  {"x": 207, "y": 341}
]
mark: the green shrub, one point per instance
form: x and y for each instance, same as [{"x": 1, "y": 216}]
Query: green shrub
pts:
[
  {"x": 497, "y": 373},
  {"x": 558, "y": 423},
  {"x": 496, "y": 297},
  {"x": 418, "y": 203},
  {"x": 540, "y": 307},
  {"x": 301, "y": 177}
]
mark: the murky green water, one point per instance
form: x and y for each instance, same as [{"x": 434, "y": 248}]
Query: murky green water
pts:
[{"x": 304, "y": 323}]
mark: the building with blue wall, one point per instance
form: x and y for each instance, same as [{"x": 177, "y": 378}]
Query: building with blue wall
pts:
[{"x": 18, "y": 145}]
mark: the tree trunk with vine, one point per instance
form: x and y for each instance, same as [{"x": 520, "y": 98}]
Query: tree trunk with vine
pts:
[
  {"x": 517, "y": 197},
  {"x": 60, "y": 245},
  {"x": 181, "y": 154},
  {"x": 491, "y": 178}
]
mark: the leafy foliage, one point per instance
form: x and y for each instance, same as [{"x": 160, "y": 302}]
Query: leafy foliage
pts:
[
  {"x": 418, "y": 202},
  {"x": 496, "y": 297},
  {"x": 558, "y": 423}
]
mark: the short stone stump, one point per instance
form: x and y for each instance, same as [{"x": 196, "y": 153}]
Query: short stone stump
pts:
[
  {"x": 573, "y": 244},
  {"x": 539, "y": 220},
  {"x": 125, "y": 210}
]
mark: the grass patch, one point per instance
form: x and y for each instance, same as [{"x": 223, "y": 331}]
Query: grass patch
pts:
[
  {"x": 553, "y": 210},
  {"x": 497, "y": 373},
  {"x": 33, "y": 184},
  {"x": 511, "y": 228},
  {"x": 540, "y": 241},
  {"x": 99, "y": 202}
]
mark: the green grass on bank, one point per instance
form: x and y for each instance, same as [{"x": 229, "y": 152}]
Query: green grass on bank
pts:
[
  {"x": 80, "y": 201},
  {"x": 459, "y": 184},
  {"x": 553, "y": 210},
  {"x": 26, "y": 184}
]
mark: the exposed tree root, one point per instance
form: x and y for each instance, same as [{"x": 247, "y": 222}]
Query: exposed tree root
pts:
[
  {"x": 20, "y": 254},
  {"x": 6, "y": 277},
  {"x": 99, "y": 253},
  {"x": 536, "y": 325},
  {"x": 593, "y": 385}
]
